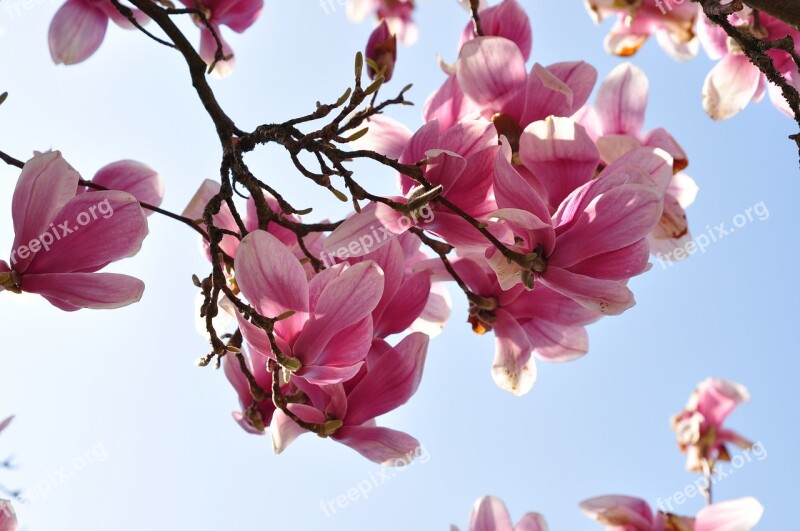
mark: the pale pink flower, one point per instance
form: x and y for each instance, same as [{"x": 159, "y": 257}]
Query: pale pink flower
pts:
[
  {"x": 325, "y": 339},
  {"x": 388, "y": 379},
  {"x": 490, "y": 514},
  {"x": 238, "y": 15},
  {"x": 626, "y": 513},
  {"x": 8, "y": 519},
  {"x": 398, "y": 14},
  {"x": 78, "y": 28},
  {"x": 139, "y": 180},
  {"x": 671, "y": 21},
  {"x": 509, "y": 20},
  {"x": 615, "y": 123},
  {"x": 734, "y": 82},
  {"x": 699, "y": 428},
  {"x": 62, "y": 238}
]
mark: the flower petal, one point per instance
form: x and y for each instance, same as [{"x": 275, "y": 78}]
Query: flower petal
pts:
[
  {"x": 73, "y": 291},
  {"x": 76, "y": 32},
  {"x": 138, "y": 179}
]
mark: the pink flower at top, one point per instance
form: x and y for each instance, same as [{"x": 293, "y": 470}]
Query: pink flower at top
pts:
[
  {"x": 79, "y": 26},
  {"x": 329, "y": 334},
  {"x": 388, "y": 379},
  {"x": 238, "y": 15},
  {"x": 63, "y": 238},
  {"x": 699, "y": 428},
  {"x": 507, "y": 19},
  {"x": 398, "y": 14},
  {"x": 382, "y": 50},
  {"x": 8, "y": 519},
  {"x": 626, "y": 513},
  {"x": 671, "y": 21},
  {"x": 615, "y": 123},
  {"x": 735, "y": 81},
  {"x": 490, "y": 514},
  {"x": 595, "y": 242}
]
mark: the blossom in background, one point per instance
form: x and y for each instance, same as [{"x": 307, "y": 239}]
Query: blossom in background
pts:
[
  {"x": 139, "y": 180},
  {"x": 79, "y": 26},
  {"x": 615, "y": 124},
  {"x": 382, "y": 51},
  {"x": 699, "y": 428},
  {"x": 633, "y": 514},
  {"x": 735, "y": 81},
  {"x": 8, "y": 519},
  {"x": 55, "y": 257},
  {"x": 490, "y": 514},
  {"x": 671, "y": 21},
  {"x": 398, "y": 14},
  {"x": 238, "y": 15}
]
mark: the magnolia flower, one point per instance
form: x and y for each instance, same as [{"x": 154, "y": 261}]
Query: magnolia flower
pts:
[
  {"x": 735, "y": 81},
  {"x": 633, "y": 514},
  {"x": 62, "y": 238},
  {"x": 79, "y": 26},
  {"x": 507, "y": 19},
  {"x": 238, "y": 15},
  {"x": 699, "y": 428},
  {"x": 672, "y": 22},
  {"x": 615, "y": 124},
  {"x": 138, "y": 179},
  {"x": 396, "y": 13},
  {"x": 320, "y": 338},
  {"x": 388, "y": 379},
  {"x": 382, "y": 51},
  {"x": 490, "y": 514}
]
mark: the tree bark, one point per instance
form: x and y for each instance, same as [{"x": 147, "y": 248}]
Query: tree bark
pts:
[{"x": 785, "y": 10}]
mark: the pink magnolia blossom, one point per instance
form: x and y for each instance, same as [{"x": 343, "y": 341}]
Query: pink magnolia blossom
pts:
[
  {"x": 324, "y": 340},
  {"x": 398, "y": 14},
  {"x": 615, "y": 123},
  {"x": 460, "y": 160},
  {"x": 490, "y": 514},
  {"x": 626, "y": 513},
  {"x": 388, "y": 379},
  {"x": 595, "y": 242},
  {"x": 139, "y": 180},
  {"x": 382, "y": 51},
  {"x": 735, "y": 81},
  {"x": 79, "y": 26},
  {"x": 699, "y": 428},
  {"x": 671, "y": 21},
  {"x": 509, "y": 20},
  {"x": 238, "y": 15},
  {"x": 8, "y": 519},
  {"x": 539, "y": 324},
  {"x": 62, "y": 238}
]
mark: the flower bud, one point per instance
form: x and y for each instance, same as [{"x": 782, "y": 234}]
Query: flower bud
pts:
[{"x": 381, "y": 52}]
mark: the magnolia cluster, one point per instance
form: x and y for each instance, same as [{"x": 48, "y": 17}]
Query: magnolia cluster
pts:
[
  {"x": 700, "y": 432},
  {"x": 79, "y": 27},
  {"x": 681, "y": 28}
]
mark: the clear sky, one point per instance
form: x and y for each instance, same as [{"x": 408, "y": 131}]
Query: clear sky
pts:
[{"x": 120, "y": 431}]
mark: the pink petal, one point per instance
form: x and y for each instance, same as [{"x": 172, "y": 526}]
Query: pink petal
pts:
[
  {"x": 512, "y": 191},
  {"x": 735, "y": 515},
  {"x": 513, "y": 369},
  {"x": 556, "y": 343},
  {"x": 390, "y": 382},
  {"x": 507, "y": 19},
  {"x": 45, "y": 185},
  {"x": 366, "y": 231},
  {"x": 76, "y": 32},
  {"x": 405, "y": 307},
  {"x": 622, "y": 511},
  {"x": 491, "y": 71},
  {"x": 8, "y": 519},
  {"x": 490, "y": 514},
  {"x": 561, "y": 155},
  {"x": 730, "y": 86},
  {"x": 73, "y": 291},
  {"x": 236, "y": 14},
  {"x": 380, "y": 445},
  {"x": 622, "y": 100},
  {"x": 717, "y": 398},
  {"x": 104, "y": 227},
  {"x": 444, "y": 168},
  {"x": 559, "y": 90},
  {"x": 208, "y": 51},
  {"x": 271, "y": 278},
  {"x": 284, "y": 430},
  {"x": 606, "y": 297},
  {"x": 386, "y": 136},
  {"x": 138, "y": 179},
  {"x": 531, "y": 522},
  {"x": 223, "y": 219},
  {"x": 448, "y": 105}
]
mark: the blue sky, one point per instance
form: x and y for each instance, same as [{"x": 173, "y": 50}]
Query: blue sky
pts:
[{"x": 119, "y": 430}]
